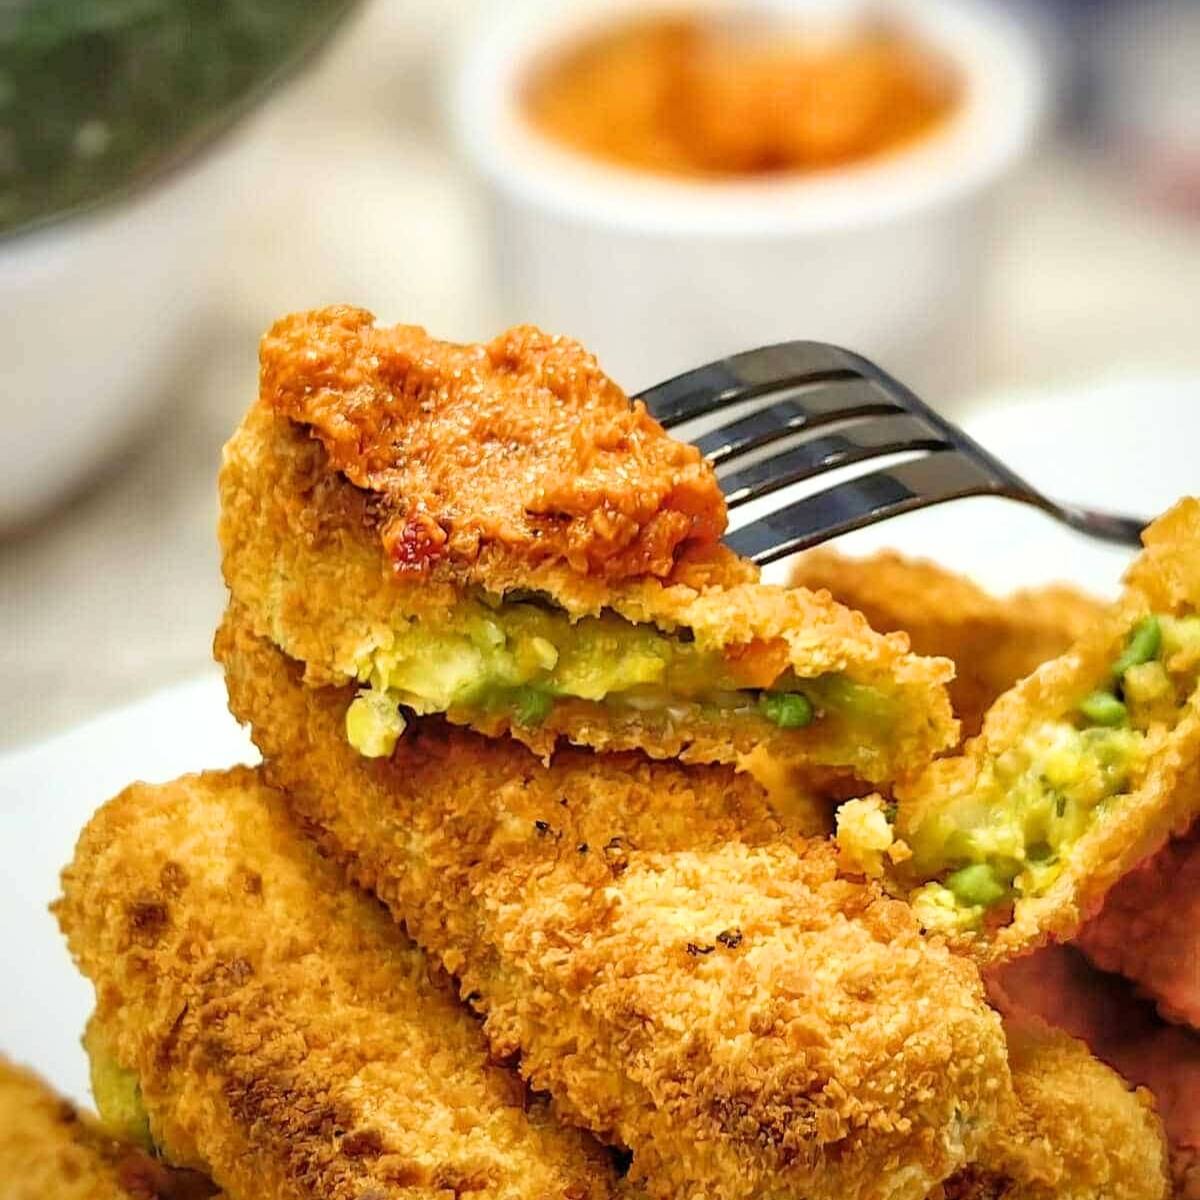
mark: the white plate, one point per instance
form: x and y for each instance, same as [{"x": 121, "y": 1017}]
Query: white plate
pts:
[
  {"x": 47, "y": 794},
  {"x": 1127, "y": 444}
]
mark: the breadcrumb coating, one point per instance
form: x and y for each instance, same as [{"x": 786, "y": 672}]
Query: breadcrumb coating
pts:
[
  {"x": 681, "y": 973},
  {"x": 1075, "y": 1129},
  {"x": 1164, "y": 793},
  {"x": 286, "y": 1036},
  {"x": 1058, "y": 985},
  {"x": 1149, "y": 929},
  {"x": 993, "y": 641},
  {"x": 521, "y": 448},
  {"x": 50, "y": 1150},
  {"x": 300, "y": 553}
]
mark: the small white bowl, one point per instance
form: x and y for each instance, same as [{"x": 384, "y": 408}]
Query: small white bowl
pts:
[
  {"x": 657, "y": 275},
  {"x": 98, "y": 312}
]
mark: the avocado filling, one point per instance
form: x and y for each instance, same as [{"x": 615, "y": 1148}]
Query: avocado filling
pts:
[
  {"x": 118, "y": 1097},
  {"x": 1010, "y": 835},
  {"x": 520, "y": 659}
]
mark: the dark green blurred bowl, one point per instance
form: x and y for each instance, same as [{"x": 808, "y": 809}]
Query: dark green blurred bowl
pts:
[{"x": 100, "y": 99}]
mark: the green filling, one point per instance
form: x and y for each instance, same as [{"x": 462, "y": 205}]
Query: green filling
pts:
[
  {"x": 118, "y": 1098},
  {"x": 1103, "y": 708},
  {"x": 1009, "y": 835},
  {"x": 519, "y": 659},
  {"x": 788, "y": 710}
]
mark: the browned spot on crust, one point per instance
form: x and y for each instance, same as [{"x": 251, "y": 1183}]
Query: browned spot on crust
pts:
[
  {"x": 362, "y": 1143},
  {"x": 173, "y": 879},
  {"x": 974, "y": 1183},
  {"x": 148, "y": 920}
]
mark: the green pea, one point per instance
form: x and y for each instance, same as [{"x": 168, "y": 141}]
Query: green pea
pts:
[
  {"x": 531, "y": 706},
  {"x": 1103, "y": 708},
  {"x": 977, "y": 885},
  {"x": 1142, "y": 646},
  {"x": 788, "y": 710}
]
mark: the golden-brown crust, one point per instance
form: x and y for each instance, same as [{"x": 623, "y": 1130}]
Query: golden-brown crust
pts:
[
  {"x": 682, "y": 974},
  {"x": 521, "y": 445},
  {"x": 993, "y": 641},
  {"x": 1165, "y": 795},
  {"x": 1077, "y": 1130},
  {"x": 285, "y": 1034},
  {"x": 1058, "y": 985},
  {"x": 299, "y": 554},
  {"x": 50, "y": 1150}
]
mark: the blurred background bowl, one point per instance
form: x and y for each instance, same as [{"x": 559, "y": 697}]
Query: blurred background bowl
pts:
[
  {"x": 104, "y": 298},
  {"x": 99, "y": 308},
  {"x": 657, "y": 274}
]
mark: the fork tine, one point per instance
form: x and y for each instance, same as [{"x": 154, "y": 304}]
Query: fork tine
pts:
[
  {"x": 835, "y": 400},
  {"x": 866, "y": 440},
  {"x": 743, "y": 376},
  {"x": 863, "y": 501}
]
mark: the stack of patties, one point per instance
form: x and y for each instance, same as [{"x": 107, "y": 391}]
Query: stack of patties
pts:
[{"x": 507, "y": 681}]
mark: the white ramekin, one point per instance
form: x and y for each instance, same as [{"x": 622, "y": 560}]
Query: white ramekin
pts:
[
  {"x": 657, "y": 275},
  {"x": 98, "y": 313}
]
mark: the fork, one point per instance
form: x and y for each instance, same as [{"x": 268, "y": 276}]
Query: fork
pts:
[{"x": 807, "y": 386}]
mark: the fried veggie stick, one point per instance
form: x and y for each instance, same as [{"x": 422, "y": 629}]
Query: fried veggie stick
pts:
[
  {"x": 685, "y": 977},
  {"x": 1077, "y": 1130},
  {"x": 50, "y": 1150},
  {"x": 1060, "y": 986},
  {"x": 1082, "y": 770},
  {"x": 495, "y": 533},
  {"x": 993, "y": 641},
  {"x": 281, "y": 1033}
]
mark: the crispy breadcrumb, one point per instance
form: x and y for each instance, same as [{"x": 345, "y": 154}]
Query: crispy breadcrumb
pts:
[
  {"x": 1075, "y": 1129},
  {"x": 50, "y": 1150},
  {"x": 1161, "y": 793},
  {"x": 683, "y": 975},
  {"x": 993, "y": 641},
  {"x": 301, "y": 554},
  {"x": 286, "y": 1036},
  {"x": 1078, "y": 1131},
  {"x": 1058, "y": 985},
  {"x": 1149, "y": 929}
]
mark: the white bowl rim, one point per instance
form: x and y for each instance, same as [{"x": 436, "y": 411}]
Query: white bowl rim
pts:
[{"x": 1005, "y": 98}]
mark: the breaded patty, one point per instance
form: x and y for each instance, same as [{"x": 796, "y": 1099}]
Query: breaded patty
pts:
[
  {"x": 993, "y": 641},
  {"x": 1149, "y": 930},
  {"x": 507, "y": 628},
  {"x": 683, "y": 975},
  {"x": 1083, "y": 769},
  {"x": 49, "y": 1150},
  {"x": 1060, "y": 986},
  {"x": 1075, "y": 1130},
  {"x": 280, "y": 1031}
]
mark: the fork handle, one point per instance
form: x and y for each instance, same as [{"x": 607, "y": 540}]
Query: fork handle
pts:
[{"x": 1109, "y": 527}]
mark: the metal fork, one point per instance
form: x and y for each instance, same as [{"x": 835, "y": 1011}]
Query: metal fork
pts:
[{"x": 806, "y": 386}]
